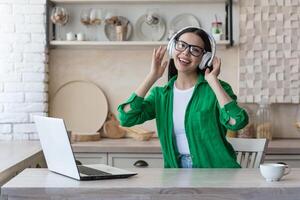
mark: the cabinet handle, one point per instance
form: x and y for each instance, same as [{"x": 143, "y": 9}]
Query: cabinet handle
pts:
[{"x": 141, "y": 163}]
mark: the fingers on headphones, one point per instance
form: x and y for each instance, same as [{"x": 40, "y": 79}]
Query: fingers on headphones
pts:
[{"x": 160, "y": 52}]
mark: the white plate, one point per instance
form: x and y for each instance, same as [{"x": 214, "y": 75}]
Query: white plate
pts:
[
  {"x": 183, "y": 20},
  {"x": 82, "y": 105},
  {"x": 148, "y": 32},
  {"x": 110, "y": 30}
]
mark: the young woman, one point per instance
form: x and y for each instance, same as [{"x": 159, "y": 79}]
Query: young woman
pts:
[{"x": 193, "y": 110}]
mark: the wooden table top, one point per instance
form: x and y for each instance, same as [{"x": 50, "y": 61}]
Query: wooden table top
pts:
[{"x": 160, "y": 183}]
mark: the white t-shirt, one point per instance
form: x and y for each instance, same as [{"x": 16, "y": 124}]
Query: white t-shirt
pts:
[{"x": 180, "y": 100}]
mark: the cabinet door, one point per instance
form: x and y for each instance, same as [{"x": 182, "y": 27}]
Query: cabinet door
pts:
[
  {"x": 291, "y": 160},
  {"x": 91, "y": 158},
  {"x": 128, "y": 160},
  {"x": 36, "y": 161}
]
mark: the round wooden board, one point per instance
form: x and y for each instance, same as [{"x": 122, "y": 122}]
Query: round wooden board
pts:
[{"x": 82, "y": 105}]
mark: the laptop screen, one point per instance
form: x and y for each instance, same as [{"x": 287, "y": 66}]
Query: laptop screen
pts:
[{"x": 56, "y": 146}]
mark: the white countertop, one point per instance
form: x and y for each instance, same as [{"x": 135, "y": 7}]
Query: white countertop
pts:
[
  {"x": 13, "y": 153},
  {"x": 157, "y": 183}
]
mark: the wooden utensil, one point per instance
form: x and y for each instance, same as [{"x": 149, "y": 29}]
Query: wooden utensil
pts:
[
  {"x": 111, "y": 128},
  {"x": 84, "y": 137},
  {"x": 138, "y": 133}
]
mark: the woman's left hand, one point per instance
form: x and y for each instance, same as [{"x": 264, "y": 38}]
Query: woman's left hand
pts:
[{"x": 214, "y": 73}]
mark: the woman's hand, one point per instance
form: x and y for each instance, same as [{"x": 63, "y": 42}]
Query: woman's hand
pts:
[
  {"x": 157, "y": 67},
  {"x": 214, "y": 73}
]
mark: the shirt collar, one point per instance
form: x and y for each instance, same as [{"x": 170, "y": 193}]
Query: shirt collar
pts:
[{"x": 170, "y": 84}]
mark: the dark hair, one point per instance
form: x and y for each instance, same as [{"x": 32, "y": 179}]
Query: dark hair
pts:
[{"x": 172, "y": 71}]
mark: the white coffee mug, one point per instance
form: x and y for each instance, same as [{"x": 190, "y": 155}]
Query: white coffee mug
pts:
[
  {"x": 80, "y": 36},
  {"x": 70, "y": 36},
  {"x": 274, "y": 171}
]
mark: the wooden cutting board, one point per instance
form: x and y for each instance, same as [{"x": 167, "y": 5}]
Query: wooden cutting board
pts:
[
  {"x": 81, "y": 104},
  {"x": 138, "y": 133},
  {"x": 84, "y": 137}
]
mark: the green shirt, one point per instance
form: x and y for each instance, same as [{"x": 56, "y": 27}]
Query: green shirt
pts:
[{"x": 206, "y": 123}]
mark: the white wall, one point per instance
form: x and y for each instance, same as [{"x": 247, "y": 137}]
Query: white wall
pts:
[{"x": 23, "y": 72}]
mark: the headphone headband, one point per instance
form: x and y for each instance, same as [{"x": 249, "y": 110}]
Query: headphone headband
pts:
[{"x": 212, "y": 41}]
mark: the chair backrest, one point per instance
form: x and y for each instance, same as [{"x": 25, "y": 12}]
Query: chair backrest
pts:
[{"x": 250, "y": 151}]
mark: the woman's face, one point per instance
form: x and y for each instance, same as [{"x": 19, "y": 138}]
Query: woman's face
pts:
[{"x": 188, "y": 52}]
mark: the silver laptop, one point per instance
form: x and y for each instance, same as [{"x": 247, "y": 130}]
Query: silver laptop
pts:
[{"x": 59, "y": 155}]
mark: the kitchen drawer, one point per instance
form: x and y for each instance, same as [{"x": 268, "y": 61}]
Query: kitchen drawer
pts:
[
  {"x": 129, "y": 160},
  {"x": 292, "y": 160},
  {"x": 91, "y": 158}
]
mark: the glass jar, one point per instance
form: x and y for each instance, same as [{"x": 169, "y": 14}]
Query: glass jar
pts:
[
  {"x": 249, "y": 130},
  {"x": 217, "y": 30},
  {"x": 263, "y": 120}
]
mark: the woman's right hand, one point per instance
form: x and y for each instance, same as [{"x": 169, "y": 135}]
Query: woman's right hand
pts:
[{"x": 157, "y": 67}]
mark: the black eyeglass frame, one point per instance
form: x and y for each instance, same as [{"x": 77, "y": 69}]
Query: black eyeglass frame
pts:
[{"x": 189, "y": 46}]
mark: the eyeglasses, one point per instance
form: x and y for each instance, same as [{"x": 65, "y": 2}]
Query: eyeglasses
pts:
[{"x": 193, "y": 49}]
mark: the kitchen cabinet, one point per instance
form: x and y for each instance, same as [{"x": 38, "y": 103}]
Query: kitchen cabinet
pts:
[
  {"x": 91, "y": 158},
  {"x": 36, "y": 161},
  {"x": 292, "y": 160},
  {"x": 126, "y": 152},
  {"x": 15, "y": 156},
  {"x": 131, "y": 160},
  {"x": 123, "y": 160},
  {"x": 133, "y": 9}
]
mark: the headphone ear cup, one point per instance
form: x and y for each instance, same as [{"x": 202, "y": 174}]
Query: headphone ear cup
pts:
[
  {"x": 205, "y": 60},
  {"x": 170, "y": 47}
]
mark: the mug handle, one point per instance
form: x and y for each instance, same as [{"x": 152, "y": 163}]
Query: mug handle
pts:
[{"x": 286, "y": 168}]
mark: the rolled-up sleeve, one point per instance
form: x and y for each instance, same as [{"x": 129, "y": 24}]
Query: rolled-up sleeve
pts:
[
  {"x": 141, "y": 110},
  {"x": 234, "y": 111}
]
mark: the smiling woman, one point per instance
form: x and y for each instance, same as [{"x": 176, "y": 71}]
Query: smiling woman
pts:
[{"x": 194, "y": 109}]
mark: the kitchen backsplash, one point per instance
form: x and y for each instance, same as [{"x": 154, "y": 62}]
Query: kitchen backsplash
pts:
[
  {"x": 269, "y": 51},
  {"x": 120, "y": 77}
]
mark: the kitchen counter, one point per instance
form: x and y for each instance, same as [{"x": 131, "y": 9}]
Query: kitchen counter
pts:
[
  {"x": 284, "y": 146},
  {"x": 15, "y": 156},
  {"x": 128, "y": 145},
  {"x": 166, "y": 184}
]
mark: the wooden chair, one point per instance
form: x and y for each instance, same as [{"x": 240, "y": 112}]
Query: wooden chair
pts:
[{"x": 250, "y": 151}]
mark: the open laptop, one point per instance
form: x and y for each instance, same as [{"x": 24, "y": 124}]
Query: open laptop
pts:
[{"x": 59, "y": 155}]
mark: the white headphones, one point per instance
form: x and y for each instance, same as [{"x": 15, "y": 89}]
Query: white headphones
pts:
[{"x": 207, "y": 58}]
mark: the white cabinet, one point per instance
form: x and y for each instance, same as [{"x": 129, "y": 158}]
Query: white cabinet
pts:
[
  {"x": 91, "y": 158},
  {"x": 123, "y": 160},
  {"x": 291, "y": 160},
  {"x": 155, "y": 160},
  {"x": 140, "y": 160},
  {"x": 36, "y": 161}
]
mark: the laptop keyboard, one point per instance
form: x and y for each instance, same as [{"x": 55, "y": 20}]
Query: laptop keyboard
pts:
[{"x": 91, "y": 171}]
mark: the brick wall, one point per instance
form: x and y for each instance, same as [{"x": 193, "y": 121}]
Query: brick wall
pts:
[
  {"x": 23, "y": 67},
  {"x": 269, "y": 51}
]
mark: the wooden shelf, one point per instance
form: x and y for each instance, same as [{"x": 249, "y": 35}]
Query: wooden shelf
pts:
[{"x": 117, "y": 44}]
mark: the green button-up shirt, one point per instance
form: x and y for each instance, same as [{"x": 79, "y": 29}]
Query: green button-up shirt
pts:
[{"x": 205, "y": 122}]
